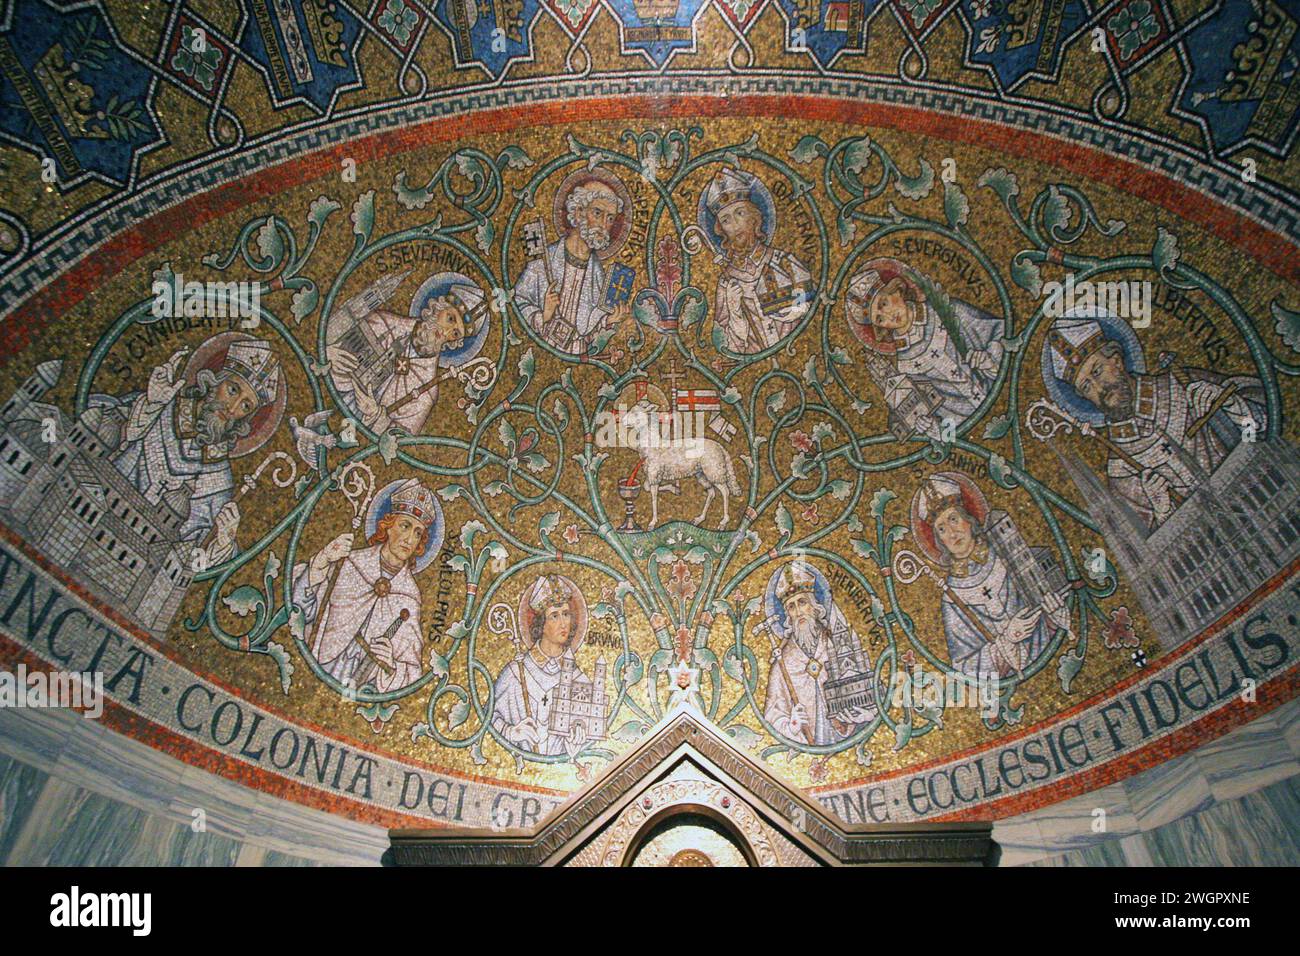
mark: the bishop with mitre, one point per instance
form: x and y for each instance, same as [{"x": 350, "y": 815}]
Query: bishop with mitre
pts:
[{"x": 362, "y": 607}]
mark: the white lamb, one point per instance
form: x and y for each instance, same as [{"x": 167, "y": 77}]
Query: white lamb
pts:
[{"x": 667, "y": 461}]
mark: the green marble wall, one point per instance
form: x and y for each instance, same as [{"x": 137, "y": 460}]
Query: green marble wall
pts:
[
  {"x": 73, "y": 793},
  {"x": 45, "y": 821},
  {"x": 1259, "y": 829}
]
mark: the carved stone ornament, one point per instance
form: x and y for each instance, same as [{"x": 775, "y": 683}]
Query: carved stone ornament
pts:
[{"x": 685, "y": 766}]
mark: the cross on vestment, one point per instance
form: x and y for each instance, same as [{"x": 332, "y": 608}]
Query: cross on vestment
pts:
[
  {"x": 545, "y": 699},
  {"x": 988, "y": 595}
]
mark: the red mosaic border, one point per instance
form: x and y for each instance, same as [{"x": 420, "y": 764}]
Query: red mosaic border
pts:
[
  {"x": 150, "y": 234},
  {"x": 130, "y": 724},
  {"x": 108, "y": 612},
  {"x": 1176, "y": 743},
  {"x": 1279, "y": 580}
]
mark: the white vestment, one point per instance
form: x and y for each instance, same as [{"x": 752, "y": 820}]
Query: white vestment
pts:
[
  {"x": 989, "y": 593},
  {"x": 525, "y": 688},
  {"x": 1166, "y": 407},
  {"x": 797, "y": 678},
  {"x": 155, "y": 458},
  {"x": 761, "y": 300},
  {"x": 412, "y": 373},
  {"x": 355, "y": 606},
  {"x": 926, "y": 352},
  {"x": 581, "y": 313}
]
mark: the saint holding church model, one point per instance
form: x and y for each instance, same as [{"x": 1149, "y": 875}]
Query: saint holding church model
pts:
[
  {"x": 763, "y": 292},
  {"x": 387, "y": 366},
  {"x": 543, "y": 702},
  {"x": 1167, "y": 430},
  {"x": 1001, "y": 599},
  {"x": 194, "y": 416},
  {"x": 820, "y": 687}
]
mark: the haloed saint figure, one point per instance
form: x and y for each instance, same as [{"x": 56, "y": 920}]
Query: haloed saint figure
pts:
[
  {"x": 561, "y": 293},
  {"x": 1002, "y": 597},
  {"x": 920, "y": 343},
  {"x": 544, "y": 703},
  {"x": 763, "y": 292},
  {"x": 819, "y": 687},
  {"x": 1167, "y": 430},
  {"x": 197, "y": 413},
  {"x": 363, "y": 605},
  {"x": 388, "y": 366}
]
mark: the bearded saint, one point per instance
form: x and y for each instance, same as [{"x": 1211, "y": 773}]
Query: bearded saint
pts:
[
  {"x": 406, "y": 395},
  {"x": 805, "y": 661},
  {"x": 561, "y": 293},
  {"x": 1168, "y": 431},
  {"x": 180, "y": 436}
]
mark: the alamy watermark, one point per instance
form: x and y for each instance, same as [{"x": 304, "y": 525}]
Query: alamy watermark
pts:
[
  {"x": 61, "y": 689},
  {"x": 74, "y": 909},
  {"x": 1124, "y": 300},
  {"x": 928, "y": 690},
  {"x": 641, "y": 426},
  {"x": 235, "y": 299}
]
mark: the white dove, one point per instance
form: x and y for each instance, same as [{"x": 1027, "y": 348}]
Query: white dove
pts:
[{"x": 307, "y": 437}]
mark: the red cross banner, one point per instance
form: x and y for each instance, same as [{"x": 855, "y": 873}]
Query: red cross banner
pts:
[{"x": 696, "y": 400}]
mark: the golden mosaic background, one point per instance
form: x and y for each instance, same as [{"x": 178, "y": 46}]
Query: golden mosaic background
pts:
[{"x": 73, "y": 334}]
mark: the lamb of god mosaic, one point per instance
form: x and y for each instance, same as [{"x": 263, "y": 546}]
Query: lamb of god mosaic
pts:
[{"x": 493, "y": 457}]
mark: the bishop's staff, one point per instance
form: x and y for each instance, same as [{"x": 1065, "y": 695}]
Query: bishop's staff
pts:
[
  {"x": 501, "y": 620},
  {"x": 772, "y": 628},
  {"x": 908, "y": 566},
  {"x": 199, "y": 556},
  {"x": 357, "y": 482},
  {"x": 1045, "y": 418},
  {"x": 479, "y": 373}
]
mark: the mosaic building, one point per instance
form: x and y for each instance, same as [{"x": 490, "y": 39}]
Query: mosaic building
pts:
[
  {"x": 67, "y": 499},
  {"x": 1236, "y": 532}
]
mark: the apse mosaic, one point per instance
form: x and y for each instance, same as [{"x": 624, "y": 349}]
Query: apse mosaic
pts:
[{"x": 417, "y": 467}]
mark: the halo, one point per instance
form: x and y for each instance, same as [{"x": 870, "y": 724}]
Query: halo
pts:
[
  {"x": 382, "y": 504},
  {"x": 211, "y": 354},
  {"x": 629, "y": 397},
  {"x": 886, "y": 269},
  {"x": 759, "y": 195},
  {"x": 1114, "y": 329},
  {"x": 467, "y": 292},
  {"x": 577, "y": 607},
  {"x": 618, "y": 233},
  {"x": 972, "y": 499},
  {"x": 775, "y": 609}
]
